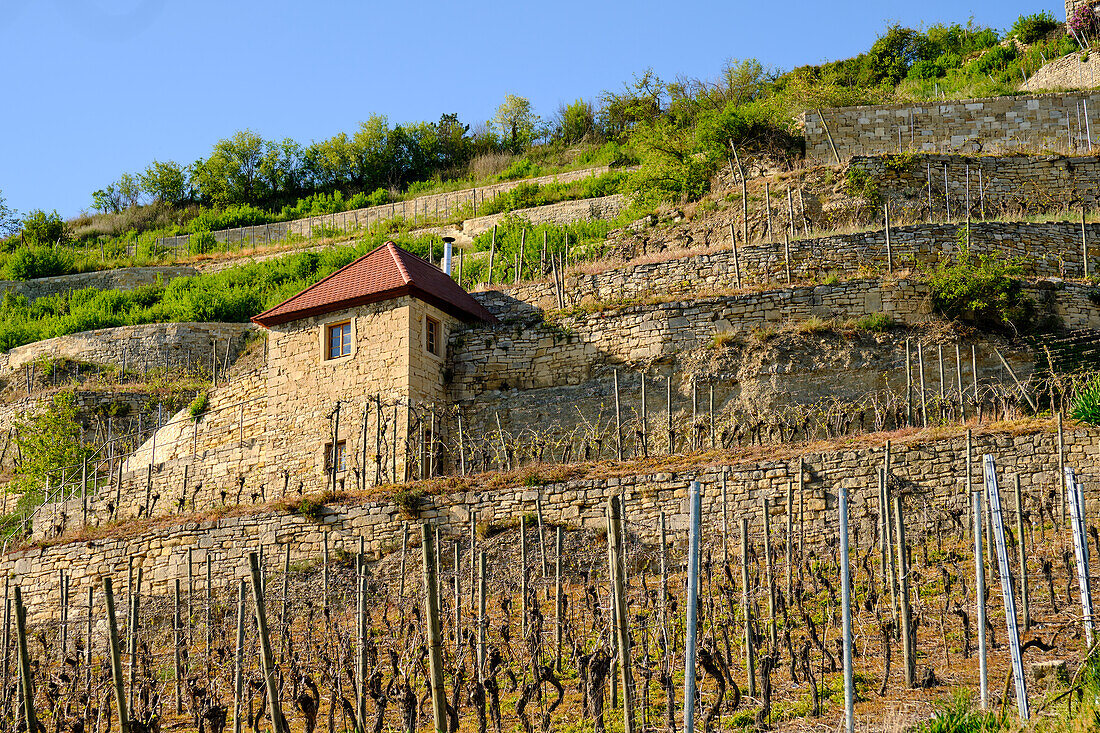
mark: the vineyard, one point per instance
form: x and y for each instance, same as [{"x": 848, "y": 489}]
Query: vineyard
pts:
[{"x": 525, "y": 625}]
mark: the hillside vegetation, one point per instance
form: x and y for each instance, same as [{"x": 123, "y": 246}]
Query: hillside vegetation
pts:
[{"x": 679, "y": 131}]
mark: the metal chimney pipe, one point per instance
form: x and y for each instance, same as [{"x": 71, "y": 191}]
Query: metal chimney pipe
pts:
[{"x": 448, "y": 242}]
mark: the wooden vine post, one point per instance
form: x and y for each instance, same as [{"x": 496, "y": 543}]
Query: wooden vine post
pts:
[
  {"x": 903, "y": 582},
  {"x": 750, "y": 657},
  {"x": 238, "y": 660},
  {"x": 744, "y": 197},
  {"x": 622, "y": 620},
  {"x": 435, "y": 637},
  {"x": 116, "y": 658},
  {"x": 266, "y": 657}
]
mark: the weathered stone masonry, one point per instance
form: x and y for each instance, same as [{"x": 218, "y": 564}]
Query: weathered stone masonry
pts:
[
  {"x": 931, "y": 474},
  {"x": 997, "y": 184},
  {"x": 137, "y": 347},
  {"x": 1050, "y": 249},
  {"x": 995, "y": 125}
]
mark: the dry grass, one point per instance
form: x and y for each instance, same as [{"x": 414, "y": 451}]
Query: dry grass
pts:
[{"x": 487, "y": 165}]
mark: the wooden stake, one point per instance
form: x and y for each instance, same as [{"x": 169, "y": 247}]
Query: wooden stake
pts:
[
  {"x": 622, "y": 622},
  {"x": 238, "y": 661},
  {"x": 750, "y": 658},
  {"x": 618, "y": 424},
  {"x": 278, "y": 724},
  {"x": 435, "y": 637},
  {"x": 668, "y": 415},
  {"x": 889, "y": 249},
  {"x": 770, "y": 575},
  {"x": 559, "y": 618},
  {"x": 909, "y": 653},
  {"x": 787, "y": 255},
  {"x": 1020, "y": 544},
  {"x": 116, "y": 660},
  {"x": 768, "y": 206},
  {"x": 736, "y": 263}
]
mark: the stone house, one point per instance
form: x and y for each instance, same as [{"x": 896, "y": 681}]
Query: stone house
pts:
[{"x": 377, "y": 327}]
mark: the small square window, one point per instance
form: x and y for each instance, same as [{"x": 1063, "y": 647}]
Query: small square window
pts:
[
  {"x": 431, "y": 335},
  {"x": 341, "y": 456},
  {"x": 338, "y": 340}
]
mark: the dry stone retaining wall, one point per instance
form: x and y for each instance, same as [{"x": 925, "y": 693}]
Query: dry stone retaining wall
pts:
[
  {"x": 147, "y": 345},
  {"x": 571, "y": 349},
  {"x": 995, "y": 125},
  {"x": 992, "y": 185},
  {"x": 125, "y": 278},
  {"x": 931, "y": 475},
  {"x": 1051, "y": 249},
  {"x": 566, "y": 212},
  {"x": 422, "y": 208}
]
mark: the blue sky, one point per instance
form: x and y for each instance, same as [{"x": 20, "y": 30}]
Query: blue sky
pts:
[{"x": 95, "y": 88}]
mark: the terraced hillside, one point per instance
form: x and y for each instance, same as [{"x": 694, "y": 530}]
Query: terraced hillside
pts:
[{"x": 876, "y": 373}]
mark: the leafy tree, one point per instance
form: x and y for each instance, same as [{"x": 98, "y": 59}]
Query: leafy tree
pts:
[
  {"x": 231, "y": 174},
  {"x": 9, "y": 218},
  {"x": 107, "y": 199},
  {"x": 639, "y": 102},
  {"x": 1034, "y": 27},
  {"x": 46, "y": 229},
  {"x": 891, "y": 55},
  {"x": 48, "y": 440},
  {"x": 165, "y": 182},
  {"x": 575, "y": 122},
  {"x": 129, "y": 189},
  {"x": 517, "y": 121},
  {"x": 452, "y": 145}
]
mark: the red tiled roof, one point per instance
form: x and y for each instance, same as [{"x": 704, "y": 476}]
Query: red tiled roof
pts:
[{"x": 386, "y": 273}]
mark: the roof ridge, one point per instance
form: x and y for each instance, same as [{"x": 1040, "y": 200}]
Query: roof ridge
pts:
[{"x": 393, "y": 248}]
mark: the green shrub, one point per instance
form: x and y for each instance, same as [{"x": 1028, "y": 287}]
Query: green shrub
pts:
[
  {"x": 45, "y": 229},
  {"x": 309, "y": 509},
  {"x": 875, "y": 322},
  {"x": 1086, "y": 405},
  {"x": 926, "y": 69},
  {"x": 199, "y": 405},
  {"x": 522, "y": 168},
  {"x": 996, "y": 59},
  {"x": 202, "y": 242},
  {"x": 958, "y": 715},
  {"x": 982, "y": 290},
  {"x": 240, "y": 215},
  {"x": 858, "y": 183},
  {"x": 28, "y": 263},
  {"x": 1034, "y": 27},
  {"x": 47, "y": 440}
]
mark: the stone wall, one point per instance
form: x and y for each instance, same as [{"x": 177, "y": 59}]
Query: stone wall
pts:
[
  {"x": 1074, "y": 71},
  {"x": 569, "y": 350},
  {"x": 421, "y": 209},
  {"x": 1072, "y": 5},
  {"x": 136, "y": 347},
  {"x": 993, "y": 185},
  {"x": 126, "y": 278},
  {"x": 1051, "y": 249},
  {"x": 991, "y": 126},
  {"x": 758, "y": 389},
  {"x": 263, "y": 438},
  {"x": 566, "y": 212},
  {"x": 930, "y": 474}
]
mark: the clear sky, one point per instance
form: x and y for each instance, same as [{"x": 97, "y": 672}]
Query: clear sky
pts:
[{"x": 95, "y": 88}]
